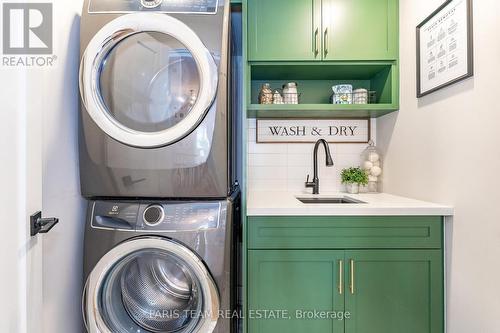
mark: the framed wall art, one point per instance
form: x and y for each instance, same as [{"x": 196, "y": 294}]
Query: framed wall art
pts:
[{"x": 445, "y": 47}]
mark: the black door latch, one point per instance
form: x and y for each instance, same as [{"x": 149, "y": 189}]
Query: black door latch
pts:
[{"x": 41, "y": 226}]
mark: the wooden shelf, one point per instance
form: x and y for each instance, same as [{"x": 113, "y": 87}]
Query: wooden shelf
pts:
[{"x": 320, "y": 110}]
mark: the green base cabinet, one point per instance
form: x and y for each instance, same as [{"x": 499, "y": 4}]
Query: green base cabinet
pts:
[
  {"x": 294, "y": 281},
  {"x": 394, "y": 291},
  {"x": 399, "y": 288}
]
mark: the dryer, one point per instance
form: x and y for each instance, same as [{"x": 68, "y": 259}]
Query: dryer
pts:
[
  {"x": 160, "y": 266},
  {"x": 154, "y": 99}
]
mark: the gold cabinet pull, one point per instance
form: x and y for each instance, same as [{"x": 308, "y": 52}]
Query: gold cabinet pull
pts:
[
  {"x": 326, "y": 41},
  {"x": 351, "y": 285},
  {"x": 316, "y": 42},
  {"x": 341, "y": 277}
]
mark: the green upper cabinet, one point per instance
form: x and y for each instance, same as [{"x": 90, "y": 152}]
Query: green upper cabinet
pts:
[
  {"x": 394, "y": 291},
  {"x": 297, "y": 30},
  {"x": 360, "y": 29},
  {"x": 284, "y": 30}
]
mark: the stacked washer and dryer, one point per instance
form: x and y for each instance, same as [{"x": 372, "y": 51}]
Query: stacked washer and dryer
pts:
[{"x": 157, "y": 167}]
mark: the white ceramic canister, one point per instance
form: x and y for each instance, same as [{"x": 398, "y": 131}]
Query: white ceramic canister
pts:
[
  {"x": 290, "y": 93},
  {"x": 277, "y": 97}
]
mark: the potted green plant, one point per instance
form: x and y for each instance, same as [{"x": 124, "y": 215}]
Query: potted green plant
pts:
[{"x": 353, "y": 178}]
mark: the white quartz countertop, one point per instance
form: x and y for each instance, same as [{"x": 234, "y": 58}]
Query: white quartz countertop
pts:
[{"x": 273, "y": 203}]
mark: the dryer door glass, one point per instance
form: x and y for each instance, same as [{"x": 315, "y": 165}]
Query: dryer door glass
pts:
[
  {"x": 149, "y": 82},
  {"x": 152, "y": 289}
]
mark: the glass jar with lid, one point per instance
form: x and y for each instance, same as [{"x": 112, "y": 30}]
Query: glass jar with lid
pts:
[
  {"x": 371, "y": 162},
  {"x": 277, "y": 97},
  {"x": 266, "y": 94}
]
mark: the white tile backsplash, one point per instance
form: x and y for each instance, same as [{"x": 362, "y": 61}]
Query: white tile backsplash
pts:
[
  {"x": 285, "y": 166},
  {"x": 252, "y": 134},
  {"x": 267, "y": 160}
]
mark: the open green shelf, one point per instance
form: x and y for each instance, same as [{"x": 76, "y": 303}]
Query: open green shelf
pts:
[
  {"x": 324, "y": 111},
  {"x": 315, "y": 81}
]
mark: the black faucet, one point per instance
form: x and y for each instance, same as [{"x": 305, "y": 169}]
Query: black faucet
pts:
[{"x": 329, "y": 162}]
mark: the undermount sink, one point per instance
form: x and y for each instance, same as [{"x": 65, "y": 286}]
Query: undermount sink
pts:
[{"x": 331, "y": 200}]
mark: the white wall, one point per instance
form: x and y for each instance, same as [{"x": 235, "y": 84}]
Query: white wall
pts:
[
  {"x": 32, "y": 98},
  {"x": 21, "y": 196},
  {"x": 63, "y": 246},
  {"x": 285, "y": 166},
  {"x": 10, "y": 177},
  {"x": 446, "y": 148}
]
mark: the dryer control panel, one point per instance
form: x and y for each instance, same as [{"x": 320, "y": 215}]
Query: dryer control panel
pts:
[
  {"x": 162, "y": 6},
  {"x": 169, "y": 216}
]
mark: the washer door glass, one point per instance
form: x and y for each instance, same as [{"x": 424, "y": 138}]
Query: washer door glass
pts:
[
  {"x": 149, "y": 82},
  {"x": 152, "y": 289}
]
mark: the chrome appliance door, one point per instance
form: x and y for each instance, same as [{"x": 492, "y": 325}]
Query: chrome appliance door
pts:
[
  {"x": 150, "y": 284},
  {"x": 147, "y": 80}
]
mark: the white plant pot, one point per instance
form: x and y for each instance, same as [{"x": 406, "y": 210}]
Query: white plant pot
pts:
[
  {"x": 363, "y": 189},
  {"x": 352, "y": 188}
]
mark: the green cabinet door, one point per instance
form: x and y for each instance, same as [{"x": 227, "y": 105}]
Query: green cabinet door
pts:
[
  {"x": 284, "y": 30},
  {"x": 394, "y": 291},
  {"x": 294, "y": 281},
  {"x": 360, "y": 29}
]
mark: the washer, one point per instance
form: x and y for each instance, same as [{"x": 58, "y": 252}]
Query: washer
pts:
[
  {"x": 159, "y": 267},
  {"x": 154, "y": 92}
]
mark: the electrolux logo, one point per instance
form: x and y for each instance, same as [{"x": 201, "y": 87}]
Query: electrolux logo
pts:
[{"x": 28, "y": 35}]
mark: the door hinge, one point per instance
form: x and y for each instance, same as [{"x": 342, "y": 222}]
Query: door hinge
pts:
[{"x": 39, "y": 225}]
